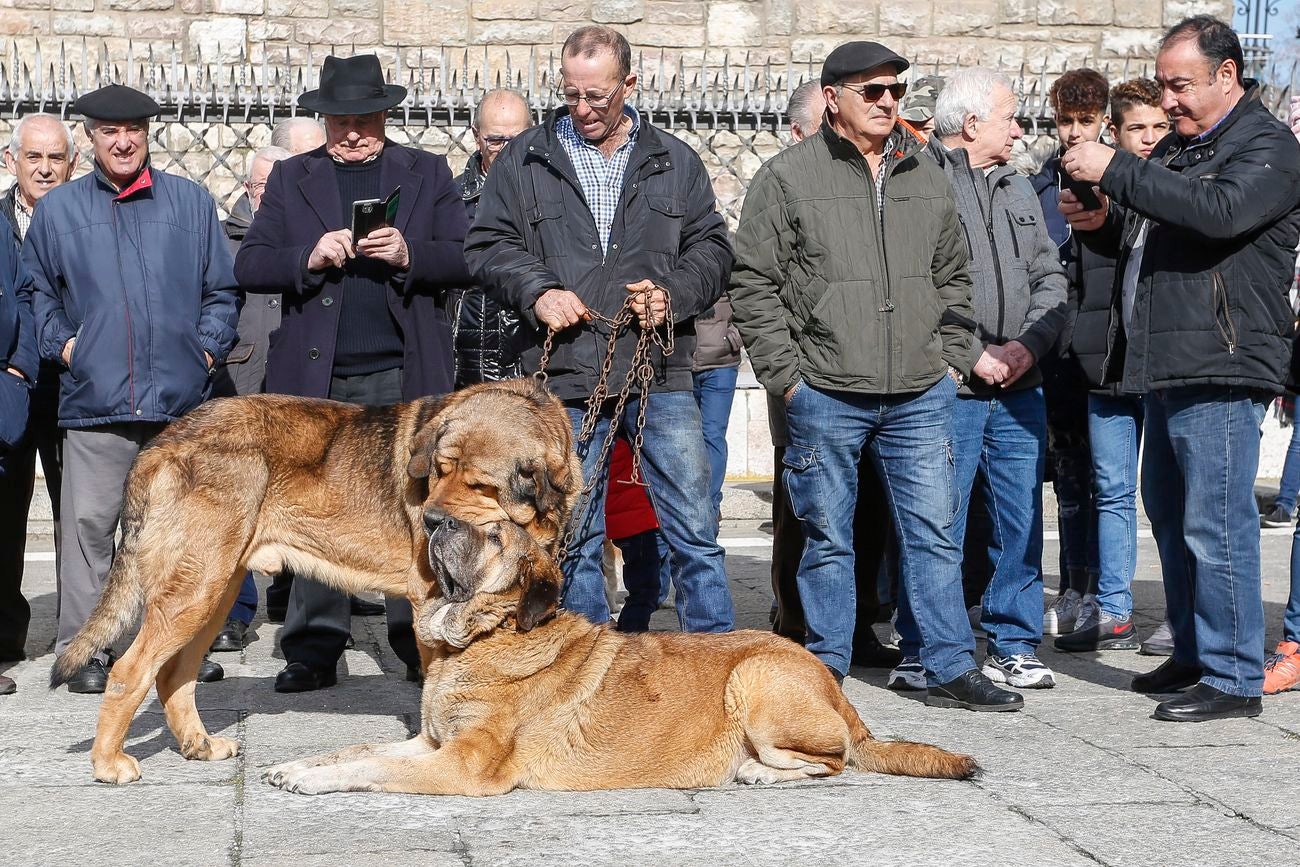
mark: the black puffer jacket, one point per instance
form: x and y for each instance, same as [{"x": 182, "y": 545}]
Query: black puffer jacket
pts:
[
  {"x": 487, "y": 337},
  {"x": 1092, "y": 304},
  {"x": 534, "y": 232},
  {"x": 1211, "y": 303}
]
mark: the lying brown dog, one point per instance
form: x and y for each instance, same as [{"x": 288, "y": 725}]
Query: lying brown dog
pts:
[
  {"x": 528, "y": 698},
  {"x": 335, "y": 492}
]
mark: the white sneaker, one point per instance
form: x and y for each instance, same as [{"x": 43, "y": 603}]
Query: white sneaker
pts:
[
  {"x": 1063, "y": 614},
  {"x": 907, "y": 675},
  {"x": 1022, "y": 669}
]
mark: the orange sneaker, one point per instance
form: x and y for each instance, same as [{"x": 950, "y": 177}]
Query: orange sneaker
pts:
[{"x": 1282, "y": 669}]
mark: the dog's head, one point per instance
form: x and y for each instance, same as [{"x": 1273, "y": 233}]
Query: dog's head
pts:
[
  {"x": 499, "y": 451},
  {"x": 494, "y": 566}
]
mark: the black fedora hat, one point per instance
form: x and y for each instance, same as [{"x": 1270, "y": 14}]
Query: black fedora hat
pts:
[{"x": 352, "y": 85}]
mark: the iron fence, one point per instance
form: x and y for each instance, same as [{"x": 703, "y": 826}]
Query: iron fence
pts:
[{"x": 731, "y": 111}]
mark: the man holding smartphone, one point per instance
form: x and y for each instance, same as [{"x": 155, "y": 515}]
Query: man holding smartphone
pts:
[{"x": 362, "y": 320}]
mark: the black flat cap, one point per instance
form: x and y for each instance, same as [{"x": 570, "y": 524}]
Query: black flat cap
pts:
[
  {"x": 116, "y": 102},
  {"x": 854, "y": 57}
]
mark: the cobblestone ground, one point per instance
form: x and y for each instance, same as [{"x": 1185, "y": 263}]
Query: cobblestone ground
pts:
[{"x": 1082, "y": 776}]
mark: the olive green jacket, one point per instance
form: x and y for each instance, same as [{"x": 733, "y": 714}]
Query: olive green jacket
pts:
[{"x": 822, "y": 293}]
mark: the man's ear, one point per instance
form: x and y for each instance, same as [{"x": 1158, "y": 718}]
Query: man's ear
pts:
[{"x": 542, "y": 582}]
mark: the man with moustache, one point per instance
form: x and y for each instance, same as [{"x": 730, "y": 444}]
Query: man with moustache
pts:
[
  {"x": 138, "y": 336},
  {"x": 1205, "y": 232}
]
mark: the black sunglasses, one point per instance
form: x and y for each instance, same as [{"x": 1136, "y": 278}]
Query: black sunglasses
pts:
[{"x": 873, "y": 92}]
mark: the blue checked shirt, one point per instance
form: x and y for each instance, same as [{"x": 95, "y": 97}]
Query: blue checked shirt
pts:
[{"x": 601, "y": 179}]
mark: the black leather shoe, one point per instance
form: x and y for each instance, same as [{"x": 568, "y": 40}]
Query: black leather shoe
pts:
[
  {"x": 839, "y": 678},
  {"x": 362, "y": 608},
  {"x": 7, "y": 685},
  {"x": 868, "y": 652},
  {"x": 1203, "y": 702},
  {"x": 91, "y": 680},
  {"x": 298, "y": 677},
  {"x": 973, "y": 691},
  {"x": 1171, "y": 676},
  {"x": 209, "y": 671},
  {"x": 231, "y": 637},
  {"x": 275, "y": 614}
]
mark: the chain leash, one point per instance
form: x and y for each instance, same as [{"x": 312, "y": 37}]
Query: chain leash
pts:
[{"x": 640, "y": 375}]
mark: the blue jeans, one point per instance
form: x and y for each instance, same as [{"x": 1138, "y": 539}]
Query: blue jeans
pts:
[
  {"x": 1288, "y": 488},
  {"x": 1115, "y": 428},
  {"x": 647, "y": 572},
  {"x": 245, "y": 606},
  {"x": 1198, "y": 486},
  {"x": 909, "y": 438},
  {"x": 676, "y": 468},
  {"x": 1291, "y": 619},
  {"x": 714, "y": 390},
  {"x": 1001, "y": 441}
]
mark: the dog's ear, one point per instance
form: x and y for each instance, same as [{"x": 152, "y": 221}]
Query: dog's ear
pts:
[
  {"x": 533, "y": 483},
  {"x": 541, "y": 581},
  {"x": 429, "y": 428}
]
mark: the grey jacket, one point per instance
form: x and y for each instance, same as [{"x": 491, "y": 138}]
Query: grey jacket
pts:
[
  {"x": 1018, "y": 285},
  {"x": 717, "y": 342},
  {"x": 244, "y": 370}
]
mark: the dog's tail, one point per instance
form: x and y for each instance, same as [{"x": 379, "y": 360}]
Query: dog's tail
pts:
[
  {"x": 123, "y": 592},
  {"x": 902, "y": 758}
]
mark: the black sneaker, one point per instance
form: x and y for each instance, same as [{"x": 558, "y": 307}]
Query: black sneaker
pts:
[
  {"x": 973, "y": 691},
  {"x": 1276, "y": 517},
  {"x": 1104, "y": 631}
]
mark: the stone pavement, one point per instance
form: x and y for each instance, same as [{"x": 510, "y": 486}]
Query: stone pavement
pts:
[{"x": 1081, "y": 777}]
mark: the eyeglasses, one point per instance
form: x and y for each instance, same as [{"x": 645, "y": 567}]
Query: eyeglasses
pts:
[
  {"x": 873, "y": 92},
  {"x": 572, "y": 98},
  {"x": 497, "y": 142}
]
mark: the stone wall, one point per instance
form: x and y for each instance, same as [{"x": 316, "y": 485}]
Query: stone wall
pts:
[{"x": 1002, "y": 32}]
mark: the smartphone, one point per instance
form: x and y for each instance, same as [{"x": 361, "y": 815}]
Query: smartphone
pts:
[
  {"x": 371, "y": 214},
  {"x": 1082, "y": 191}
]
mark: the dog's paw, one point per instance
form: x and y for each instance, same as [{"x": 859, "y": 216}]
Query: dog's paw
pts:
[
  {"x": 209, "y": 748},
  {"x": 753, "y": 772},
  {"x": 305, "y": 780},
  {"x": 118, "y": 768}
]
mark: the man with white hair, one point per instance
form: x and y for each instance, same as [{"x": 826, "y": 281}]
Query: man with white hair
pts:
[
  {"x": 999, "y": 420},
  {"x": 298, "y": 135},
  {"x": 40, "y": 156}
]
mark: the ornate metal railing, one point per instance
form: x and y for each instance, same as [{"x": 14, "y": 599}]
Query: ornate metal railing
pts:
[{"x": 214, "y": 112}]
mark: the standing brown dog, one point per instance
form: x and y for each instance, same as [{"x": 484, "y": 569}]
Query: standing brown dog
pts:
[
  {"x": 527, "y": 698},
  {"x": 335, "y": 492}
]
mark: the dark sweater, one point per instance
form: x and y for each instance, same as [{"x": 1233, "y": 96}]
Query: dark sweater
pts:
[{"x": 368, "y": 338}]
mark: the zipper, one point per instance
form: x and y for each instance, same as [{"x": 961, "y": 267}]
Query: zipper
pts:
[
  {"x": 1227, "y": 329},
  {"x": 887, "y": 307},
  {"x": 126, "y": 310}
]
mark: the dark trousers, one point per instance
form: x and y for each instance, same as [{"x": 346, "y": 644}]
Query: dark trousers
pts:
[
  {"x": 319, "y": 619},
  {"x": 871, "y": 532},
  {"x": 17, "y": 483}
]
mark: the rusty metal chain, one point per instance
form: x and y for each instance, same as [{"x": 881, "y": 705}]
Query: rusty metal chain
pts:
[{"x": 640, "y": 374}]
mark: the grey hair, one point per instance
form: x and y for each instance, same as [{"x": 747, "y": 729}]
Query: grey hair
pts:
[
  {"x": 967, "y": 92},
  {"x": 89, "y": 124},
  {"x": 16, "y": 137},
  {"x": 271, "y": 154},
  {"x": 802, "y": 100},
  {"x": 501, "y": 93},
  {"x": 282, "y": 132}
]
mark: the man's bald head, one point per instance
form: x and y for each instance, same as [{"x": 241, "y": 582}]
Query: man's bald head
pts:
[
  {"x": 501, "y": 115},
  {"x": 298, "y": 135}
]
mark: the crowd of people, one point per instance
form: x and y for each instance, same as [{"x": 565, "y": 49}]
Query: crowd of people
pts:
[{"x": 943, "y": 320}]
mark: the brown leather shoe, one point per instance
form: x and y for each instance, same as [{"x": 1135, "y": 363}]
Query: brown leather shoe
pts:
[{"x": 7, "y": 685}]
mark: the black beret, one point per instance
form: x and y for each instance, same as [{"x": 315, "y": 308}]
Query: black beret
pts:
[
  {"x": 116, "y": 102},
  {"x": 852, "y": 57}
]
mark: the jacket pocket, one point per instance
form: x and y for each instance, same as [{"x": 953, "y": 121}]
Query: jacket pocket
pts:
[
  {"x": 1223, "y": 313},
  {"x": 662, "y": 231},
  {"x": 240, "y": 354},
  {"x": 546, "y": 221}
]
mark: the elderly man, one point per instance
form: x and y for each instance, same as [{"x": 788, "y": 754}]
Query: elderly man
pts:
[
  {"x": 40, "y": 156},
  {"x": 579, "y": 215},
  {"x": 871, "y": 527},
  {"x": 486, "y": 335},
  {"x": 1205, "y": 232},
  {"x": 999, "y": 420},
  {"x": 361, "y": 318},
  {"x": 138, "y": 335},
  {"x": 852, "y": 294}
]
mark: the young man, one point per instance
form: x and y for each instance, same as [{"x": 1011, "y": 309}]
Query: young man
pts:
[
  {"x": 1114, "y": 416},
  {"x": 1078, "y": 100}
]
